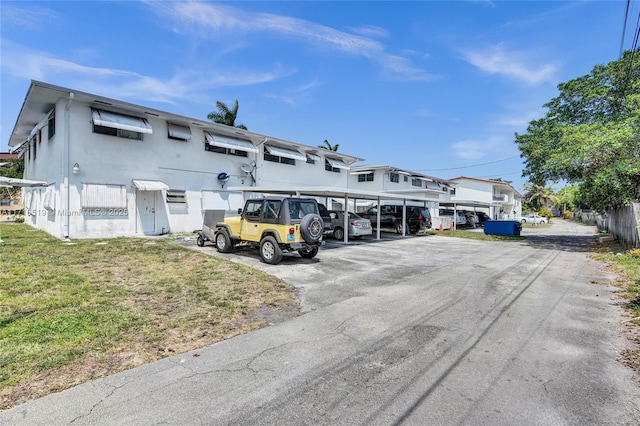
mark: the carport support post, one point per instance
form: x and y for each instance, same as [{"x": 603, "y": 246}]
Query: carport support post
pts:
[
  {"x": 378, "y": 219},
  {"x": 345, "y": 223},
  {"x": 404, "y": 216}
]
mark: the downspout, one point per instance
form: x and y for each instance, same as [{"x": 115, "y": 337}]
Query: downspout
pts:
[{"x": 67, "y": 165}]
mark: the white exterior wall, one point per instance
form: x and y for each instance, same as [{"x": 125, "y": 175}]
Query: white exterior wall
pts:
[
  {"x": 114, "y": 161},
  {"x": 474, "y": 190},
  {"x": 304, "y": 174}
]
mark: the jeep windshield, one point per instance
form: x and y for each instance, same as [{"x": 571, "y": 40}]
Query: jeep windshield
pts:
[{"x": 300, "y": 208}]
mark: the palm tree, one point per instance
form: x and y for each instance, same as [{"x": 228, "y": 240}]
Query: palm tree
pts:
[
  {"x": 226, "y": 116},
  {"x": 538, "y": 195},
  {"x": 328, "y": 146}
]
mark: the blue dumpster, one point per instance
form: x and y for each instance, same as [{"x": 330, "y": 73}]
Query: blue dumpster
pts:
[{"x": 502, "y": 227}]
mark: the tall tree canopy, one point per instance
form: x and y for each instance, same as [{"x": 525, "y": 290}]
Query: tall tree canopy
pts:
[
  {"x": 225, "y": 115},
  {"x": 14, "y": 169},
  {"x": 591, "y": 135}
]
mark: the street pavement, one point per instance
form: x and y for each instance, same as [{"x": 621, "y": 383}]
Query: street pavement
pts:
[{"x": 420, "y": 330}]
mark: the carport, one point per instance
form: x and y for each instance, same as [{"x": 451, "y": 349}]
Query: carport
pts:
[
  {"x": 467, "y": 203},
  {"x": 342, "y": 193}
]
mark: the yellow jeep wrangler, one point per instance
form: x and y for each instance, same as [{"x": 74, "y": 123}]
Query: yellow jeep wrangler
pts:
[{"x": 274, "y": 225}]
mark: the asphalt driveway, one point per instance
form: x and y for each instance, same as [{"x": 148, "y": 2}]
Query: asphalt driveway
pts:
[{"x": 420, "y": 330}]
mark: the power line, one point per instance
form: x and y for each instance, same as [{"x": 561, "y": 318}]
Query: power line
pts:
[
  {"x": 467, "y": 167},
  {"x": 624, "y": 28}
]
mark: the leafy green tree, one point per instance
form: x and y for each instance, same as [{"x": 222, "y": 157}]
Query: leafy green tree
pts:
[
  {"x": 15, "y": 169},
  {"x": 567, "y": 198},
  {"x": 591, "y": 136},
  {"x": 328, "y": 146},
  {"x": 225, "y": 115}
]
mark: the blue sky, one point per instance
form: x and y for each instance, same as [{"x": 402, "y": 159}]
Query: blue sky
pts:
[{"x": 435, "y": 87}]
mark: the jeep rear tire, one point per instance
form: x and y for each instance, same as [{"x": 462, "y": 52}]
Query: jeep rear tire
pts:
[
  {"x": 223, "y": 242},
  {"x": 270, "y": 251},
  {"x": 308, "y": 253},
  {"x": 311, "y": 228}
]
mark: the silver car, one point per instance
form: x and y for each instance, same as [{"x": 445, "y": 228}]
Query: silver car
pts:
[{"x": 358, "y": 226}]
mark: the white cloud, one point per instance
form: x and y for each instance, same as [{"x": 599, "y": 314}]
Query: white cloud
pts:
[
  {"x": 31, "y": 18},
  {"x": 497, "y": 60},
  {"x": 210, "y": 19},
  {"x": 468, "y": 150},
  {"x": 184, "y": 84}
]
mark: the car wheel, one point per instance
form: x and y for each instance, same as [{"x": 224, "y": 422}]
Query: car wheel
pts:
[
  {"x": 308, "y": 253},
  {"x": 398, "y": 226},
  {"x": 338, "y": 233},
  {"x": 524, "y": 221},
  {"x": 270, "y": 251},
  {"x": 200, "y": 241},
  {"x": 223, "y": 242},
  {"x": 311, "y": 228}
]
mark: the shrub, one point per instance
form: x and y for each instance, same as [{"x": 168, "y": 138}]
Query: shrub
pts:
[{"x": 545, "y": 212}]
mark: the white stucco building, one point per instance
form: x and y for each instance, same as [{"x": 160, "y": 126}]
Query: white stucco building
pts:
[
  {"x": 119, "y": 169},
  {"x": 497, "y": 198}
]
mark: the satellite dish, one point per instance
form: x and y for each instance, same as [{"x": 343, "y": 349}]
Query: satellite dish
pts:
[
  {"x": 247, "y": 168},
  {"x": 223, "y": 178}
]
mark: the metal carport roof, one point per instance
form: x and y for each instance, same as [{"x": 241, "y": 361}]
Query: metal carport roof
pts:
[{"x": 346, "y": 193}]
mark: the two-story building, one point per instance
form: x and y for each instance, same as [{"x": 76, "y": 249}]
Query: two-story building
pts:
[
  {"x": 119, "y": 169},
  {"x": 496, "y": 198}
]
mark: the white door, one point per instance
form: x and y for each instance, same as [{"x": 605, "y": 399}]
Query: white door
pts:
[{"x": 146, "y": 203}]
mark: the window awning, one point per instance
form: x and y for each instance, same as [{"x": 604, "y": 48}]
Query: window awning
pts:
[
  {"x": 314, "y": 157},
  {"x": 150, "y": 185},
  {"x": 179, "y": 132},
  {"x": 361, "y": 172},
  {"x": 339, "y": 164},
  {"x": 286, "y": 153},
  {"x": 120, "y": 121},
  {"x": 21, "y": 183},
  {"x": 230, "y": 143}
]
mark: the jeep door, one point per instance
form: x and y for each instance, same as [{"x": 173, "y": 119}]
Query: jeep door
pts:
[{"x": 250, "y": 229}]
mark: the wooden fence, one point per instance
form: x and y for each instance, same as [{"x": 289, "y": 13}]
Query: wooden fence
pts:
[{"x": 623, "y": 223}]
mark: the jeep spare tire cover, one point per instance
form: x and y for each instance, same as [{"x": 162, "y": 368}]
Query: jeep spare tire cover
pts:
[{"x": 311, "y": 228}]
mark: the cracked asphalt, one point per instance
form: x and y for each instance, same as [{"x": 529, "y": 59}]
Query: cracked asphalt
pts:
[{"x": 421, "y": 330}]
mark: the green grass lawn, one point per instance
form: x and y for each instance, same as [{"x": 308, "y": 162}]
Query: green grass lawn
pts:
[{"x": 72, "y": 312}]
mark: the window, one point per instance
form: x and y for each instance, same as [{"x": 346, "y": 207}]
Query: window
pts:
[
  {"x": 312, "y": 158},
  {"x": 277, "y": 159},
  {"x": 406, "y": 178},
  {"x": 229, "y": 146},
  {"x": 367, "y": 177},
  {"x": 52, "y": 124},
  {"x": 394, "y": 177},
  {"x": 178, "y": 133},
  {"x": 333, "y": 165},
  {"x": 35, "y": 147},
  {"x": 271, "y": 211},
  {"x": 416, "y": 182},
  {"x": 227, "y": 151},
  {"x": 120, "y": 125},
  {"x": 253, "y": 210},
  {"x": 176, "y": 196},
  {"x": 126, "y": 134},
  {"x": 104, "y": 196}
]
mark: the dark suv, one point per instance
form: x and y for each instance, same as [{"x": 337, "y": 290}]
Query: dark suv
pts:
[{"x": 391, "y": 217}]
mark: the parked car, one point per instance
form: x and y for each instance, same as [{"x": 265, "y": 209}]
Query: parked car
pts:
[
  {"x": 472, "y": 219},
  {"x": 482, "y": 217},
  {"x": 461, "y": 219},
  {"x": 391, "y": 217},
  {"x": 326, "y": 218},
  {"x": 532, "y": 218},
  {"x": 358, "y": 226}
]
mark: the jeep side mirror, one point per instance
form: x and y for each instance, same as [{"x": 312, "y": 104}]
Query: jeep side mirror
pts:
[{"x": 240, "y": 210}]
